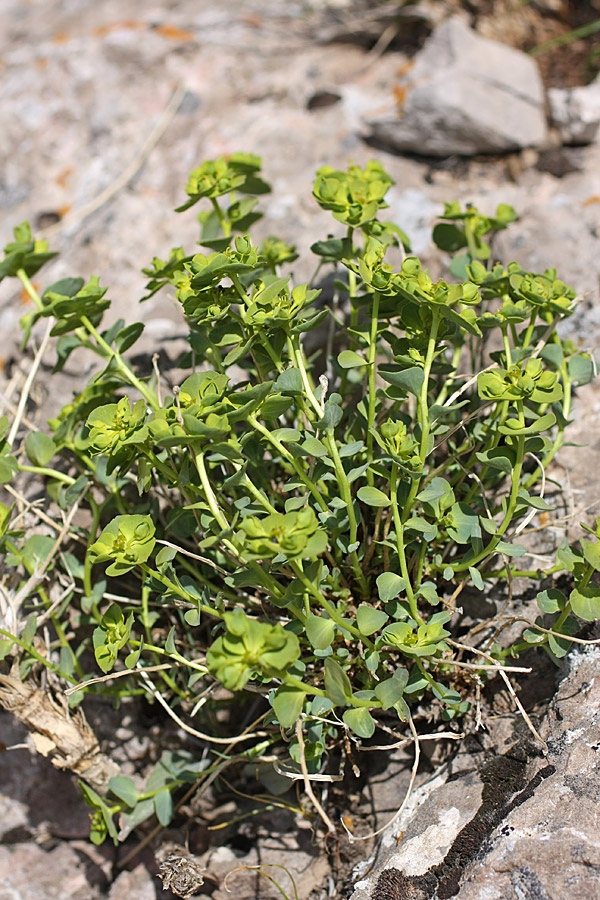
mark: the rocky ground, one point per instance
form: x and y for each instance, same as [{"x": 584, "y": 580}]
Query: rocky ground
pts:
[{"x": 105, "y": 108}]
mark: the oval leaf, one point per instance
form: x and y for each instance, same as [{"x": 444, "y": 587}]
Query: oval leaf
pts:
[
  {"x": 124, "y": 789},
  {"x": 360, "y": 721},
  {"x": 348, "y": 359},
  {"x": 320, "y": 631},
  {"x": 389, "y": 585},
  {"x": 373, "y": 496},
  {"x": 370, "y": 620}
]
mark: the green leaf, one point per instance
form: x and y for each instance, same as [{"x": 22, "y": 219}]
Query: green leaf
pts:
[
  {"x": 476, "y": 578},
  {"x": 370, "y": 620},
  {"x": 373, "y": 496},
  {"x": 28, "y": 633},
  {"x": 124, "y": 789},
  {"x": 510, "y": 549},
  {"x": 275, "y": 405},
  {"x": 561, "y": 646},
  {"x": 360, "y": 721},
  {"x": 288, "y": 703},
  {"x": 127, "y": 337},
  {"x": 410, "y": 379},
  {"x": 585, "y": 603},
  {"x": 591, "y": 552},
  {"x": 581, "y": 368},
  {"x": 449, "y": 237},
  {"x": 192, "y": 617},
  {"x": 319, "y": 631},
  {"x": 333, "y": 249},
  {"x": 348, "y": 359},
  {"x": 332, "y": 413},
  {"x": 39, "y": 447},
  {"x": 286, "y": 435},
  {"x": 6, "y": 648},
  {"x": 337, "y": 683},
  {"x": 388, "y": 692},
  {"x": 170, "y": 642},
  {"x": 314, "y": 447},
  {"x": 290, "y": 382},
  {"x": 131, "y": 660},
  {"x": 163, "y": 807},
  {"x": 551, "y": 600}
]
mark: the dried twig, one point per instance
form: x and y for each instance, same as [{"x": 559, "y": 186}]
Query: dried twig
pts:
[
  {"x": 511, "y": 690},
  {"x": 188, "y": 728},
  {"x": 396, "y": 816},
  {"x": 29, "y": 382},
  {"x": 307, "y": 785}
]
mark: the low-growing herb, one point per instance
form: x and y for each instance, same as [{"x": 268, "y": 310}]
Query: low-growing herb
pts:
[{"x": 297, "y": 527}]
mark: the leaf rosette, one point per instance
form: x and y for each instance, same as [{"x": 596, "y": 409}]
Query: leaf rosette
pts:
[
  {"x": 126, "y": 542},
  {"x": 427, "y": 640},
  {"x": 250, "y": 649},
  {"x": 293, "y": 535},
  {"x": 116, "y": 424},
  {"x": 517, "y": 383},
  {"x": 354, "y": 197},
  {"x": 214, "y": 178}
]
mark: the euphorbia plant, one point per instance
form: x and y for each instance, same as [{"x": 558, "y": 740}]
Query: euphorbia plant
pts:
[{"x": 302, "y": 524}]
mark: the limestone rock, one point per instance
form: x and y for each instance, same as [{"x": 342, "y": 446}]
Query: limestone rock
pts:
[
  {"x": 518, "y": 827},
  {"x": 549, "y": 846},
  {"x": 576, "y": 112},
  {"x": 467, "y": 95}
]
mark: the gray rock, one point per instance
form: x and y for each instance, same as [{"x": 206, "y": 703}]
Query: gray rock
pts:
[
  {"x": 519, "y": 827},
  {"x": 27, "y": 872},
  {"x": 549, "y": 845},
  {"x": 467, "y": 95},
  {"x": 576, "y": 112}
]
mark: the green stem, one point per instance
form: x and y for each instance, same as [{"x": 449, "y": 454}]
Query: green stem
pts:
[
  {"x": 175, "y": 657},
  {"x": 285, "y": 453},
  {"x": 147, "y": 393},
  {"x": 327, "y": 606},
  {"x": 209, "y": 494},
  {"x": 399, "y": 527},
  {"x": 372, "y": 382},
  {"x": 345, "y": 491},
  {"x": 297, "y": 357},
  {"x": 558, "y": 440},
  {"x": 179, "y": 591},
  {"x": 506, "y": 344},
  {"x": 301, "y": 686},
  {"x": 29, "y": 288},
  {"x": 423, "y": 410},
  {"x": 529, "y": 331},
  {"x": 223, "y": 220},
  {"x": 512, "y": 501},
  {"x": 49, "y": 473},
  {"x": 33, "y": 652},
  {"x": 456, "y": 355}
]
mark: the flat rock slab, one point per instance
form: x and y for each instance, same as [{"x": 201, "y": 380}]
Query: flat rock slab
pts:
[
  {"x": 467, "y": 95},
  {"x": 518, "y": 828}
]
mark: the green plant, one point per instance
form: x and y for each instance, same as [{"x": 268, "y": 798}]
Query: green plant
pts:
[{"x": 298, "y": 525}]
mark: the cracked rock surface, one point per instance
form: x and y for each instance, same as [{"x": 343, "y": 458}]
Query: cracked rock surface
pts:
[{"x": 518, "y": 827}]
